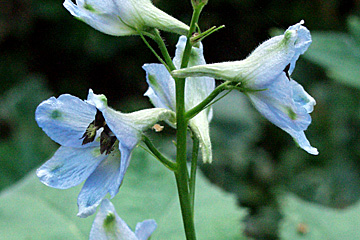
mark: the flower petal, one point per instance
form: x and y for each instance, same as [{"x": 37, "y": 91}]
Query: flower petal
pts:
[
  {"x": 65, "y": 119},
  {"x": 105, "y": 179},
  {"x": 101, "y": 15},
  {"x": 286, "y": 104},
  {"x": 200, "y": 126},
  {"x": 161, "y": 89},
  {"x": 198, "y": 88},
  {"x": 108, "y": 225},
  {"x": 302, "y": 42},
  {"x": 145, "y": 228},
  {"x": 162, "y": 92},
  {"x": 69, "y": 166}
]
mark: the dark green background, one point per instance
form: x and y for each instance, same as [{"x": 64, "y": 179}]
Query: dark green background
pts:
[{"x": 44, "y": 51}]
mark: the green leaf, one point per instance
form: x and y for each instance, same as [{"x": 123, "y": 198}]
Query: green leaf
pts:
[
  {"x": 30, "y": 210},
  {"x": 308, "y": 221},
  {"x": 339, "y": 54}
]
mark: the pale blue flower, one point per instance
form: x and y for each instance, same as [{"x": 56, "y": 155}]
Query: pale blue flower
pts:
[
  {"x": 123, "y": 17},
  {"x": 265, "y": 78},
  {"x": 161, "y": 92},
  {"x": 109, "y": 226},
  {"x": 96, "y": 144}
]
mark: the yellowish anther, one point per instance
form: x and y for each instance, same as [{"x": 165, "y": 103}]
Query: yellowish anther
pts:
[{"x": 157, "y": 128}]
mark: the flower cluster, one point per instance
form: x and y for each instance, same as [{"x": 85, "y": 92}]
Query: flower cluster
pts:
[{"x": 97, "y": 141}]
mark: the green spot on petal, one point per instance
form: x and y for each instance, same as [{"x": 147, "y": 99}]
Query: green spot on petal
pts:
[
  {"x": 89, "y": 7},
  {"x": 292, "y": 115},
  {"x": 110, "y": 222},
  {"x": 56, "y": 114}
]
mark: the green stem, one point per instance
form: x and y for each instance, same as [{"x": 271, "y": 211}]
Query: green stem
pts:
[
  {"x": 187, "y": 50},
  {"x": 206, "y": 102},
  {"x": 153, "y": 51},
  {"x": 195, "y": 153},
  {"x": 163, "y": 49},
  {"x": 182, "y": 174},
  {"x": 158, "y": 155}
]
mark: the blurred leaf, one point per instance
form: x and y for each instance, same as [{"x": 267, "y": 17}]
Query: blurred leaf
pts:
[
  {"x": 303, "y": 220},
  {"x": 30, "y": 210},
  {"x": 23, "y": 144},
  {"x": 353, "y": 23},
  {"x": 338, "y": 53}
]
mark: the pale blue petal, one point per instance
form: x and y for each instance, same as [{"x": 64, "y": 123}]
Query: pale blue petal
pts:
[
  {"x": 128, "y": 128},
  {"x": 101, "y": 15},
  {"x": 196, "y": 90},
  {"x": 302, "y": 42},
  {"x": 69, "y": 166},
  {"x": 284, "y": 104},
  {"x": 200, "y": 126},
  {"x": 161, "y": 89},
  {"x": 108, "y": 225},
  {"x": 105, "y": 179},
  {"x": 65, "y": 119},
  {"x": 128, "y": 136},
  {"x": 144, "y": 229}
]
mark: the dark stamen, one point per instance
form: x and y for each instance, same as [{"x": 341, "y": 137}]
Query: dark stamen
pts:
[
  {"x": 286, "y": 70},
  {"x": 90, "y": 133},
  {"x": 107, "y": 140}
]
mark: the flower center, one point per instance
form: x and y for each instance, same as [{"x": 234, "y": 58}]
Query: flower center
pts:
[{"x": 107, "y": 137}]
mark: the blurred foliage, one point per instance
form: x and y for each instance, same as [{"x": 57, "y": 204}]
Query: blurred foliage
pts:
[
  {"x": 29, "y": 209},
  {"x": 44, "y": 51},
  {"x": 23, "y": 144}
]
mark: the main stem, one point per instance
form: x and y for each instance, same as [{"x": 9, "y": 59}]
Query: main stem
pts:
[{"x": 182, "y": 174}]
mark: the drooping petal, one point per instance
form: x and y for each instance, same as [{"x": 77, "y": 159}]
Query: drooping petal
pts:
[
  {"x": 200, "y": 126},
  {"x": 108, "y": 225},
  {"x": 105, "y": 179},
  {"x": 69, "y": 166},
  {"x": 101, "y": 15},
  {"x": 65, "y": 119},
  {"x": 145, "y": 228},
  {"x": 287, "y": 105}
]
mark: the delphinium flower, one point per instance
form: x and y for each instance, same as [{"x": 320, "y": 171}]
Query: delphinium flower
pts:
[
  {"x": 109, "y": 226},
  {"x": 124, "y": 17},
  {"x": 161, "y": 92},
  {"x": 96, "y": 144},
  {"x": 264, "y": 76}
]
